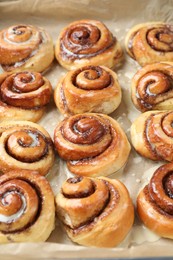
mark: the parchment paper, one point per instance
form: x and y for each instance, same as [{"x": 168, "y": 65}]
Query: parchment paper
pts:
[{"x": 119, "y": 16}]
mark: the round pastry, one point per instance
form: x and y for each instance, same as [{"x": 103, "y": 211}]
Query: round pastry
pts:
[
  {"x": 27, "y": 210},
  {"x": 150, "y": 42},
  {"x": 92, "y": 144},
  {"x": 152, "y": 87},
  {"x": 152, "y": 135},
  {"x": 95, "y": 212},
  {"x": 155, "y": 202},
  {"x": 25, "y": 47},
  {"x": 23, "y": 96},
  {"x": 88, "y": 89},
  {"x": 87, "y": 42},
  {"x": 25, "y": 145}
]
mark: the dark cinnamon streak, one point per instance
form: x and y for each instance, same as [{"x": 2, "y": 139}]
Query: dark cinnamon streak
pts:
[
  {"x": 151, "y": 100},
  {"x": 146, "y": 138},
  {"x": 69, "y": 55},
  {"x": 110, "y": 204},
  {"x": 165, "y": 29},
  {"x": 76, "y": 179},
  {"x": 48, "y": 141},
  {"x": 9, "y": 67},
  {"x": 63, "y": 101},
  {"x": 168, "y": 184},
  {"x": 99, "y": 71},
  {"x": 88, "y": 159}
]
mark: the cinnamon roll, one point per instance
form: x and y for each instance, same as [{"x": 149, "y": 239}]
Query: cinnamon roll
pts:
[
  {"x": 95, "y": 212},
  {"x": 25, "y": 47},
  {"x": 27, "y": 210},
  {"x": 155, "y": 202},
  {"x": 152, "y": 87},
  {"x": 23, "y": 96},
  {"x": 92, "y": 144},
  {"x": 150, "y": 42},
  {"x": 25, "y": 145},
  {"x": 87, "y": 42},
  {"x": 88, "y": 89},
  {"x": 152, "y": 135}
]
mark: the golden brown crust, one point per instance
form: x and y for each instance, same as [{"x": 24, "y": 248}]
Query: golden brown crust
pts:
[
  {"x": 23, "y": 96},
  {"x": 25, "y": 47},
  {"x": 152, "y": 87},
  {"x": 150, "y": 42},
  {"x": 88, "y": 89},
  {"x": 87, "y": 42},
  {"x": 25, "y": 145},
  {"x": 95, "y": 212},
  {"x": 151, "y": 135},
  {"x": 93, "y": 144},
  {"x": 155, "y": 202}
]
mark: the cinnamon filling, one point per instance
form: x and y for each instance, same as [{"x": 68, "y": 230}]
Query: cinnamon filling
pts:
[
  {"x": 154, "y": 203},
  {"x": 153, "y": 88},
  {"x": 160, "y": 39},
  {"x": 27, "y": 146},
  {"x": 147, "y": 132},
  {"x": 108, "y": 207},
  {"x": 168, "y": 185},
  {"x": 69, "y": 55}
]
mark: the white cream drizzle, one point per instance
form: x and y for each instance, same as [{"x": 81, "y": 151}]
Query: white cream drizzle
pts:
[
  {"x": 20, "y": 63},
  {"x": 9, "y": 219},
  {"x": 140, "y": 234},
  {"x": 34, "y": 138},
  {"x": 21, "y": 43}
]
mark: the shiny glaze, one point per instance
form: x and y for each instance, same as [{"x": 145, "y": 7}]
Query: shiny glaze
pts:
[
  {"x": 92, "y": 78},
  {"x": 82, "y": 40},
  {"x": 153, "y": 88},
  {"x": 27, "y": 145},
  {"x": 20, "y": 204},
  {"x": 158, "y": 135},
  {"x": 151, "y": 42},
  {"x": 161, "y": 188},
  {"x": 108, "y": 207},
  {"x": 97, "y": 200},
  {"x": 93, "y": 132},
  {"x": 159, "y": 191},
  {"x": 91, "y": 87},
  {"x": 18, "y": 43},
  {"x": 161, "y": 38},
  {"x": 26, "y": 90}
]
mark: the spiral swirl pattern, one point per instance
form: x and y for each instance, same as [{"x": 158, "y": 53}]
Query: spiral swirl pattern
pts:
[
  {"x": 19, "y": 44},
  {"x": 152, "y": 87},
  {"x": 25, "y": 145},
  {"x": 152, "y": 135},
  {"x": 86, "y": 206},
  {"x": 26, "y": 204},
  {"x": 83, "y": 42},
  {"x": 155, "y": 202},
  {"x": 24, "y": 96},
  {"x": 95, "y": 88},
  {"x": 85, "y": 140},
  {"x": 150, "y": 42}
]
